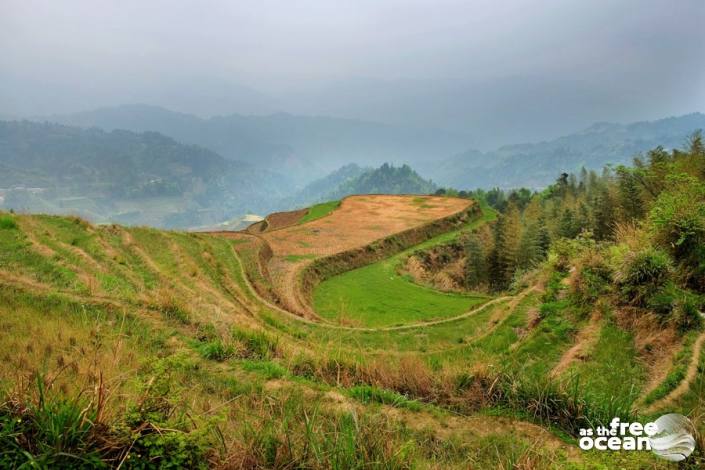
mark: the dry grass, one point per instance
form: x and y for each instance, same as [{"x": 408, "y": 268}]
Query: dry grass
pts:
[{"x": 359, "y": 221}]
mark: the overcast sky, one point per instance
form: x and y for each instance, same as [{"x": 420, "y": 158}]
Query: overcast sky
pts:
[{"x": 538, "y": 67}]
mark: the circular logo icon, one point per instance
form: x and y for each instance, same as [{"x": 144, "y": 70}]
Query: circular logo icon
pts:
[{"x": 674, "y": 439}]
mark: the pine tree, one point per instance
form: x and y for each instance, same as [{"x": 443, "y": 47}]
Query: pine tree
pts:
[
  {"x": 475, "y": 263},
  {"x": 630, "y": 196},
  {"x": 494, "y": 271},
  {"x": 543, "y": 239},
  {"x": 583, "y": 219},
  {"x": 603, "y": 213},
  {"x": 507, "y": 246},
  {"x": 529, "y": 251},
  {"x": 567, "y": 227}
]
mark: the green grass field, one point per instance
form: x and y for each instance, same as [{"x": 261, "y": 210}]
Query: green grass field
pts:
[
  {"x": 319, "y": 210},
  {"x": 376, "y": 295}
]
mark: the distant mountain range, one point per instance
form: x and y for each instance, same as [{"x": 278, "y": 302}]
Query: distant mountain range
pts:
[
  {"x": 221, "y": 168},
  {"x": 538, "y": 164},
  {"x": 137, "y": 178},
  {"x": 302, "y": 147},
  {"x": 148, "y": 178},
  {"x": 308, "y": 147}
]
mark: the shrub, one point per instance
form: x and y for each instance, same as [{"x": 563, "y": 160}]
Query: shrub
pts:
[
  {"x": 686, "y": 315},
  {"x": 43, "y": 428},
  {"x": 677, "y": 306},
  {"x": 548, "y": 309},
  {"x": 643, "y": 273},
  {"x": 677, "y": 221},
  {"x": 594, "y": 279}
]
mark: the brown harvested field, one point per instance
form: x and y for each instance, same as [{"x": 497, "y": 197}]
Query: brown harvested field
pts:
[
  {"x": 360, "y": 220},
  {"x": 278, "y": 220}
]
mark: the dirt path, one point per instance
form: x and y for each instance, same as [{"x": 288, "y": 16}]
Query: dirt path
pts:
[
  {"x": 682, "y": 388},
  {"x": 331, "y": 326},
  {"x": 585, "y": 339}
]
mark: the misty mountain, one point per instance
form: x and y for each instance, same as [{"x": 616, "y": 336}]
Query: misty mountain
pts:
[
  {"x": 138, "y": 178},
  {"x": 303, "y": 147},
  {"x": 537, "y": 164},
  {"x": 351, "y": 179},
  {"x": 319, "y": 190}
]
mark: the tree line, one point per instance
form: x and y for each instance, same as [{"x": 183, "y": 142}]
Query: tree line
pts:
[{"x": 652, "y": 212}]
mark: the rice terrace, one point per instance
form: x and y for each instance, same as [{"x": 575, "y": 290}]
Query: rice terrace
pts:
[
  {"x": 360, "y": 235},
  {"x": 332, "y": 336}
]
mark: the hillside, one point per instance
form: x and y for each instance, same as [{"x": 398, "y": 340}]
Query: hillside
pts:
[
  {"x": 124, "y": 176},
  {"x": 301, "y": 146},
  {"x": 535, "y": 165},
  {"x": 249, "y": 349},
  {"x": 351, "y": 179},
  {"x": 306, "y": 147}
]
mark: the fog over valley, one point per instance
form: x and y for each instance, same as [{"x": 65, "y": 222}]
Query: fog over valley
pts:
[{"x": 468, "y": 95}]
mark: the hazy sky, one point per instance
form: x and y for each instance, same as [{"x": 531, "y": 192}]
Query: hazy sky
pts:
[{"x": 537, "y": 67}]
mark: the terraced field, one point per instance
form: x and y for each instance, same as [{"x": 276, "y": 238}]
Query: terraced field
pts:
[
  {"x": 360, "y": 366},
  {"x": 337, "y": 228}
]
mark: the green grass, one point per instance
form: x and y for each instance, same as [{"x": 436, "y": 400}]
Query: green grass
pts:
[
  {"x": 296, "y": 258},
  {"x": 209, "y": 367},
  {"x": 319, "y": 210},
  {"x": 678, "y": 370},
  {"x": 376, "y": 295},
  {"x": 17, "y": 256},
  {"x": 369, "y": 394},
  {"x": 7, "y": 222},
  {"x": 541, "y": 350},
  {"x": 612, "y": 370},
  {"x": 421, "y": 339},
  {"x": 693, "y": 402}
]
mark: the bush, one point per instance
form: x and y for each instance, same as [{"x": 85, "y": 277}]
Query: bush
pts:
[
  {"x": 678, "y": 224},
  {"x": 686, "y": 315},
  {"x": 643, "y": 273},
  {"x": 594, "y": 280},
  {"x": 370, "y": 394},
  {"x": 549, "y": 309}
]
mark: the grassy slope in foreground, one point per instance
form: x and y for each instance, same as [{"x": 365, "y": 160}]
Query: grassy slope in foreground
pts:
[
  {"x": 161, "y": 319},
  {"x": 376, "y": 295}
]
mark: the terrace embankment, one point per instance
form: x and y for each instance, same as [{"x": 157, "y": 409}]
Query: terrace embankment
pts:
[
  {"x": 361, "y": 230},
  {"x": 332, "y": 265}
]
